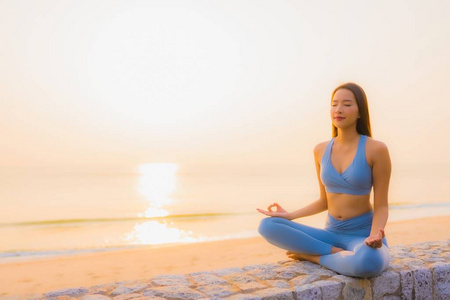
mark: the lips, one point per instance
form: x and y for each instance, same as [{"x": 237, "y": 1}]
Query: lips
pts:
[{"x": 339, "y": 118}]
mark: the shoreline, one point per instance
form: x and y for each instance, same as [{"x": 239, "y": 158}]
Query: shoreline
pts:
[
  {"x": 250, "y": 221},
  {"x": 88, "y": 269}
]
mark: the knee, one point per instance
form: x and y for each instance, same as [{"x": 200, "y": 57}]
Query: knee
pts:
[
  {"x": 267, "y": 227},
  {"x": 371, "y": 261}
]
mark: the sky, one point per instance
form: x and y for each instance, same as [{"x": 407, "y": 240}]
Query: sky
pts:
[{"x": 216, "y": 83}]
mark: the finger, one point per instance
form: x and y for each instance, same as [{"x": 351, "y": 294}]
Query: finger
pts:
[
  {"x": 372, "y": 242},
  {"x": 274, "y": 205},
  {"x": 375, "y": 241},
  {"x": 267, "y": 213},
  {"x": 376, "y": 244}
]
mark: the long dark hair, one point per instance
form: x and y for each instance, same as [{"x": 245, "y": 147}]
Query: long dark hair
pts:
[{"x": 363, "y": 123}]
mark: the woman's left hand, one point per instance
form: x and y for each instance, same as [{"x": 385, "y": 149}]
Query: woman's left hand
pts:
[{"x": 376, "y": 240}]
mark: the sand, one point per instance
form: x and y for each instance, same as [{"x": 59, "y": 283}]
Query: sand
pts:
[{"x": 46, "y": 274}]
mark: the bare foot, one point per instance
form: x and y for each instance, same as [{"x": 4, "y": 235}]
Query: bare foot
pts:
[
  {"x": 310, "y": 257},
  {"x": 303, "y": 256},
  {"x": 336, "y": 250}
]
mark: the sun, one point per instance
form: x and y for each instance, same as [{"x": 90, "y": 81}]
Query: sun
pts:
[{"x": 156, "y": 182}]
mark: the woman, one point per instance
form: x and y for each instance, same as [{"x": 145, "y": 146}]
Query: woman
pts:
[{"x": 347, "y": 166}]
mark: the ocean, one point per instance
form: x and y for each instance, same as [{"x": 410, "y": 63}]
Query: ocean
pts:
[{"x": 57, "y": 211}]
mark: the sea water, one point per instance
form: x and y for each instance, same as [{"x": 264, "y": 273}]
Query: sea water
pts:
[{"x": 51, "y": 211}]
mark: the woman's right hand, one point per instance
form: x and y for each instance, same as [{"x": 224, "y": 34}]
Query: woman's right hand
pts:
[{"x": 279, "y": 211}]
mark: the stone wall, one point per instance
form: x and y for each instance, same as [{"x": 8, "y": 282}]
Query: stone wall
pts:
[{"x": 419, "y": 271}]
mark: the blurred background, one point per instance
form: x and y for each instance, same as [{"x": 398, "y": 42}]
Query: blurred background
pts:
[{"x": 128, "y": 123}]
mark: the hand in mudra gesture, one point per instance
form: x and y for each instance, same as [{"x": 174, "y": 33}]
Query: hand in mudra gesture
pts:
[
  {"x": 275, "y": 210},
  {"x": 376, "y": 240}
]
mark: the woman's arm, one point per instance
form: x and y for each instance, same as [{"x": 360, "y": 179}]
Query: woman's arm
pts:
[
  {"x": 381, "y": 170},
  {"x": 320, "y": 204},
  {"x": 313, "y": 208}
]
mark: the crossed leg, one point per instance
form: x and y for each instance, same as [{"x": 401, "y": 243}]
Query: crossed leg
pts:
[
  {"x": 298, "y": 238},
  {"x": 325, "y": 247}
]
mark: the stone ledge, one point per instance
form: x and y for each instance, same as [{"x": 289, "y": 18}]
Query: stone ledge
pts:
[{"x": 418, "y": 271}]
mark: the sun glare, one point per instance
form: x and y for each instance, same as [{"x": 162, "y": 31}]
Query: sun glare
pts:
[
  {"x": 154, "y": 233},
  {"x": 156, "y": 182}
]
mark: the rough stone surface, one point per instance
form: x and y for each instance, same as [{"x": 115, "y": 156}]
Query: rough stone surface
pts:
[
  {"x": 304, "y": 279},
  {"x": 308, "y": 291},
  {"x": 67, "y": 292},
  {"x": 407, "y": 284},
  {"x": 174, "y": 292},
  {"x": 331, "y": 289},
  {"x": 129, "y": 289},
  {"x": 164, "y": 280},
  {"x": 132, "y": 296},
  {"x": 95, "y": 297},
  {"x": 244, "y": 297},
  {"x": 278, "y": 284},
  {"x": 207, "y": 279},
  {"x": 385, "y": 284},
  {"x": 228, "y": 271},
  {"x": 262, "y": 274},
  {"x": 419, "y": 271},
  {"x": 239, "y": 278},
  {"x": 275, "y": 294},
  {"x": 441, "y": 279},
  {"x": 355, "y": 288},
  {"x": 246, "y": 287},
  {"x": 391, "y": 298},
  {"x": 423, "y": 286},
  {"x": 217, "y": 291}
]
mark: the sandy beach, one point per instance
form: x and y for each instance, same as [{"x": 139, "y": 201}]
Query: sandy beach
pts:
[{"x": 45, "y": 274}]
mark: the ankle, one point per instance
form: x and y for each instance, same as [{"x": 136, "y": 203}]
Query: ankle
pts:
[{"x": 336, "y": 250}]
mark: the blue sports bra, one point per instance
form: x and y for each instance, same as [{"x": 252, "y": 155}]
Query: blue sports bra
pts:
[{"x": 355, "y": 180}]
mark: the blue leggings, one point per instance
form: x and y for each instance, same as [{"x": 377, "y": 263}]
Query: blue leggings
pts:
[{"x": 359, "y": 260}]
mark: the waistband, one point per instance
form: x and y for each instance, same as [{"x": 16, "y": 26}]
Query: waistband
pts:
[{"x": 359, "y": 223}]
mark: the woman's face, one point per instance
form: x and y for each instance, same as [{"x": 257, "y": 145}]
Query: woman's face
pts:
[{"x": 344, "y": 109}]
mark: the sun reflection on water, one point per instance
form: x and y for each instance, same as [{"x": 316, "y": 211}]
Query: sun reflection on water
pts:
[
  {"x": 156, "y": 233},
  {"x": 156, "y": 182}
]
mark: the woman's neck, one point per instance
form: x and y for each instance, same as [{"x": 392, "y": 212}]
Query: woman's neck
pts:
[{"x": 347, "y": 135}]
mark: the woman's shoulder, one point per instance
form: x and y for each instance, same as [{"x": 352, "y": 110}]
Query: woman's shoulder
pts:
[
  {"x": 375, "y": 148},
  {"x": 319, "y": 149},
  {"x": 375, "y": 145}
]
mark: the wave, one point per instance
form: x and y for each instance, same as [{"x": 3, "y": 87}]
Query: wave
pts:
[
  {"x": 398, "y": 205},
  {"x": 422, "y": 205},
  {"x": 111, "y": 220},
  {"x": 14, "y": 255}
]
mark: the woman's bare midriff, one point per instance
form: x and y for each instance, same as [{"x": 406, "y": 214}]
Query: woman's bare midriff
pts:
[{"x": 345, "y": 206}]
